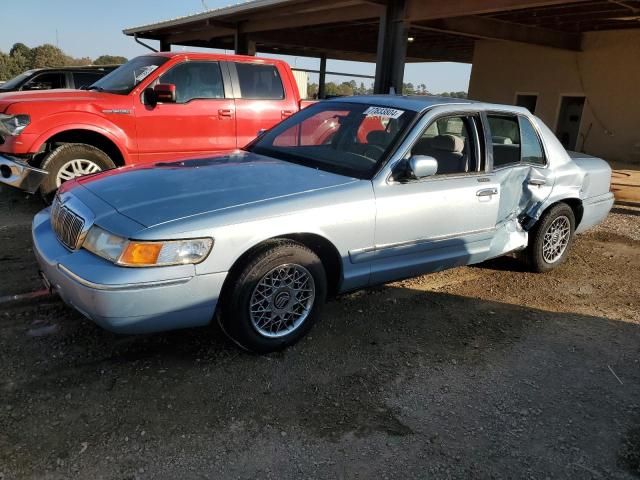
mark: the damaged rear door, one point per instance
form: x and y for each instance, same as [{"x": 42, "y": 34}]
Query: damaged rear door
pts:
[{"x": 519, "y": 165}]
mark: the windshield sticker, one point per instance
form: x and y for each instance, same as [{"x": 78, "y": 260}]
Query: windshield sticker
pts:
[
  {"x": 145, "y": 72},
  {"x": 383, "y": 112}
]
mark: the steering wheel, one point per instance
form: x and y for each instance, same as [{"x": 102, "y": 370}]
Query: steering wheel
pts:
[{"x": 373, "y": 152}]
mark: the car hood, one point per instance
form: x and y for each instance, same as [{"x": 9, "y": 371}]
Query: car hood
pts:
[
  {"x": 59, "y": 95},
  {"x": 168, "y": 191}
]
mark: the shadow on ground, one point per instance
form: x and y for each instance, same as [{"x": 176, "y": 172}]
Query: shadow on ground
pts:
[{"x": 393, "y": 382}]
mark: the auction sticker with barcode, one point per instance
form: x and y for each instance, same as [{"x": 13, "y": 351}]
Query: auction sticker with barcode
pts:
[{"x": 383, "y": 112}]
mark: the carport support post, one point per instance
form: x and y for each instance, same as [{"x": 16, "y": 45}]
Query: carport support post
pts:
[
  {"x": 243, "y": 45},
  {"x": 322, "y": 81},
  {"x": 165, "y": 46},
  {"x": 392, "y": 48}
]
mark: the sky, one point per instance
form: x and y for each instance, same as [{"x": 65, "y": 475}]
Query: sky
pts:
[{"x": 88, "y": 28}]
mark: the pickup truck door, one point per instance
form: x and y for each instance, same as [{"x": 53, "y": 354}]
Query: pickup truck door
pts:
[
  {"x": 441, "y": 221},
  {"x": 264, "y": 96},
  {"x": 202, "y": 119}
]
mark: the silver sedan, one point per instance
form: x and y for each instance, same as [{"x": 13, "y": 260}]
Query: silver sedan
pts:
[{"x": 345, "y": 194}]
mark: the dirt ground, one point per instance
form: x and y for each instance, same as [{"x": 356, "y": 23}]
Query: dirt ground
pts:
[{"x": 478, "y": 372}]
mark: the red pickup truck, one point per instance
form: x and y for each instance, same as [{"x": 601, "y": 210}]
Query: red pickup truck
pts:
[{"x": 155, "y": 107}]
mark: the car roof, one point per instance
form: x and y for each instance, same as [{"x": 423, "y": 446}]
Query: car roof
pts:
[
  {"x": 80, "y": 68},
  {"x": 417, "y": 103},
  {"x": 421, "y": 103}
]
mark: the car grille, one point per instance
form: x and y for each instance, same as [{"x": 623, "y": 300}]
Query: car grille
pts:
[{"x": 66, "y": 224}]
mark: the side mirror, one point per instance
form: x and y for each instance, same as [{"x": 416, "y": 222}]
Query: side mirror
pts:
[
  {"x": 421, "y": 166},
  {"x": 165, "y": 92}
]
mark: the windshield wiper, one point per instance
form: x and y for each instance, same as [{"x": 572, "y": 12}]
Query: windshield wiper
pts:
[{"x": 93, "y": 87}]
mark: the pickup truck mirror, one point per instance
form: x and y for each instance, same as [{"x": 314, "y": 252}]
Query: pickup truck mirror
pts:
[
  {"x": 165, "y": 92},
  {"x": 161, "y": 93},
  {"x": 421, "y": 166}
]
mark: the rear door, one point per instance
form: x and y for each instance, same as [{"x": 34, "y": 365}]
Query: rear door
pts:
[
  {"x": 201, "y": 120},
  {"x": 264, "y": 97},
  {"x": 519, "y": 165}
]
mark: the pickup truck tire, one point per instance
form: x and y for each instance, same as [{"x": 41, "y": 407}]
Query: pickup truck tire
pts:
[
  {"x": 551, "y": 238},
  {"x": 275, "y": 298},
  {"x": 69, "y": 160}
]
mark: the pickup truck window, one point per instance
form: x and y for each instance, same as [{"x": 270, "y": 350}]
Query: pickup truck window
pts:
[
  {"x": 259, "y": 82},
  {"x": 85, "y": 79},
  {"x": 345, "y": 138},
  {"x": 125, "y": 78},
  {"x": 46, "y": 81},
  {"x": 195, "y": 80}
]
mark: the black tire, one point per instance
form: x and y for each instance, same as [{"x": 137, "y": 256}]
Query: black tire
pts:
[
  {"x": 534, "y": 254},
  {"x": 60, "y": 157},
  {"x": 235, "y": 316}
]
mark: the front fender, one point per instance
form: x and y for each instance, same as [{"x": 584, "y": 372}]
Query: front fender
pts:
[{"x": 115, "y": 128}]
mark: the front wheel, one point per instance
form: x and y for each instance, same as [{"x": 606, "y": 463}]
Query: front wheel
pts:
[
  {"x": 550, "y": 238},
  {"x": 275, "y": 298},
  {"x": 70, "y": 161}
]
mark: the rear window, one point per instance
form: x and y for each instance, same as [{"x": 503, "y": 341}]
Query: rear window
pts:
[{"x": 259, "y": 82}]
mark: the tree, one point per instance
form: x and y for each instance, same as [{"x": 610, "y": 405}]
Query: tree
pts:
[
  {"x": 109, "y": 60},
  {"x": 48, "y": 55}
]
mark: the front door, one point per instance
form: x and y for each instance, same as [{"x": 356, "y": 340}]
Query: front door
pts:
[
  {"x": 441, "y": 221},
  {"x": 202, "y": 119}
]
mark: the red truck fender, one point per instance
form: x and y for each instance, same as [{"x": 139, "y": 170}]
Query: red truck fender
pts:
[{"x": 113, "y": 134}]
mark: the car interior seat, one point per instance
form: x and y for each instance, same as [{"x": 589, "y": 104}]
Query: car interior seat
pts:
[{"x": 449, "y": 150}]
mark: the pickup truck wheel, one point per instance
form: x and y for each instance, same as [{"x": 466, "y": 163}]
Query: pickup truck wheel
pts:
[
  {"x": 275, "y": 299},
  {"x": 551, "y": 238},
  {"x": 70, "y": 161}
]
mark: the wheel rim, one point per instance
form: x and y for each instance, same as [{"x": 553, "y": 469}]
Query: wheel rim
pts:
[
  {"x": 76, "y": 168},
  {"x": 556, "y": 239},
  {"x": 282, "y": 300}
]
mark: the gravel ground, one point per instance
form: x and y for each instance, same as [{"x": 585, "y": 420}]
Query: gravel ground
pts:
[{"x": 478, "y": 372}]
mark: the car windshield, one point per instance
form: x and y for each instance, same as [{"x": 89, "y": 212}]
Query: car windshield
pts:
[
  {"x": 345, "y": 138},
  {"x": 16, "y": 81},
  {"x": 125, "y": 78}
]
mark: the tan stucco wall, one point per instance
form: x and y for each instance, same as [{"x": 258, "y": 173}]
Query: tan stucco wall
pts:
[{"x": 607, "y": 72}]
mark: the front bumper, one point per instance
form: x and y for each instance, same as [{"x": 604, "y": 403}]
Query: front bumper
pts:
[
  {"x": 123, "y": 302},
  {"x": 19, "y": 174}
]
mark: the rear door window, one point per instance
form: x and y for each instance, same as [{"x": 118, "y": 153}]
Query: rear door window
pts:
[
  {"x": 514, "y": 141},
  {"x": 505, "y": 137},
  {"x": 531, "y": 148},
  {"x": 259, "y": 82}
]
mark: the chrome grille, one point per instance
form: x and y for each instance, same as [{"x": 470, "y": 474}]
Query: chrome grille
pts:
[{"x": 66, "y": 224}]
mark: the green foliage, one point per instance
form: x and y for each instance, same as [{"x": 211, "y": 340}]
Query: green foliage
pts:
[
  {"x": 21, "y": 58},
  {"x": 109, "y": 60},
  {"x": 352, "y": 88}
]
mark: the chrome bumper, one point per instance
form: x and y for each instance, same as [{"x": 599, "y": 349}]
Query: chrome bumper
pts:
[{"x": 19, "y": 174}]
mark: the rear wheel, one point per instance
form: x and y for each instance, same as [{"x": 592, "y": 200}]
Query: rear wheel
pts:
[
  {"x": 551, "y": 238},
  {"x": 275, "y": 299},
  {"x": 70, "y": 161}
]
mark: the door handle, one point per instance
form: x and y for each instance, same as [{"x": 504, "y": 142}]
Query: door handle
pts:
[
  {"x": 225, "y": 112},
  {"x": 537, "y": 181},
  {"x": 487, "y": 192},
  {"x": 287, "y": 113}
]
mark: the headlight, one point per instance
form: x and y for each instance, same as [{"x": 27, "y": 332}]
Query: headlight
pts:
[
  {"x": 104, "y": 244},
  {"x": 13, "y": 124},
  {"x": 132, "y": 253}
]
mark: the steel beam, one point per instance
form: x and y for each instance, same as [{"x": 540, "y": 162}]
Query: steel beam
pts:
[{"x": 392, "y": 48}]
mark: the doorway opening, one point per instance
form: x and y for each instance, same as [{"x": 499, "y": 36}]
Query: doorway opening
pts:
[{"x": 569, "y": 118}]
